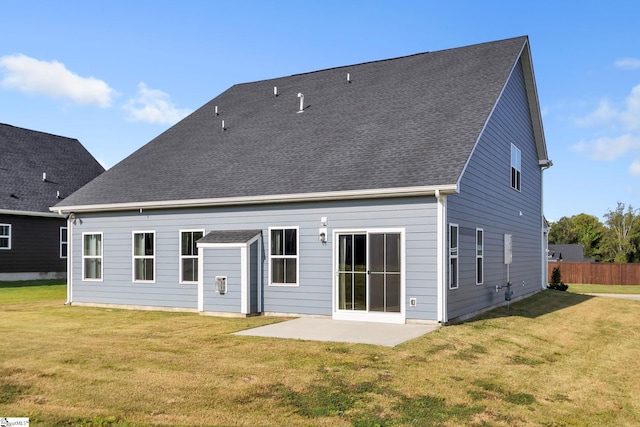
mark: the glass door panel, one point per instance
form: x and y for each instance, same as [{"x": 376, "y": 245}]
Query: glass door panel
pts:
[
  {"x": 384, "y": 273},
  {"x": 352, "y": 272}
]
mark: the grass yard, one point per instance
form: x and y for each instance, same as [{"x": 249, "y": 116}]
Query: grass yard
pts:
[
  {"x": 603, "y": 289},
  {"x": 555, "y": 359}
]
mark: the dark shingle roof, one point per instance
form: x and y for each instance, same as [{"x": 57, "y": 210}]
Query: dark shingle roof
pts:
[
  {"x": 229, "y": 236},
  {"x": 26, "y": 154},
  {"x": 568, "y": 252},
  {"x": 404, "y": 122}
]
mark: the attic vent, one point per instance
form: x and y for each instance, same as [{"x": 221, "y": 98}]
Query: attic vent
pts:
[
  {"x": 275, "y": 91},
  {"x": 301, "y": 96},
  {"x": 348, "y": 77}
]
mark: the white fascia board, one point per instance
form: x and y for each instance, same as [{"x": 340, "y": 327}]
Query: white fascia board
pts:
[
  {"x": 220, "y": 245},
  {"x": 54, "y": 214},
  {"x": 534, "y": 102},
  {"x": 254, "y": 200}
]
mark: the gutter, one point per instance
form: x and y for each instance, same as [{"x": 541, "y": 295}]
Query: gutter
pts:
[
  {"x": 255, "y": 200},
  {"x": 32, "y": 213}
]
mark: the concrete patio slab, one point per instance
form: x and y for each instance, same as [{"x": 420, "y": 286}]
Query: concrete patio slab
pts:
[{"x": 316, "y": 329}]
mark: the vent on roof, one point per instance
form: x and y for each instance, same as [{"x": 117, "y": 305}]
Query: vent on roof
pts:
[
  {"x": 44, "y": 176},
  {"x": 275, "y": 91},
  {"x": 301, "y": 96},
  {"x": 216, "y": 110},
  {"x": 348, "y": 77},
  {"x": 223, "y": 126},
  {"x": 58, "y": 194}
]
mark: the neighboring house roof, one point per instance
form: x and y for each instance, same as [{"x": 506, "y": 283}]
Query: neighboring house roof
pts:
[
  {"x": 25, "y": 155},
  {"x": 400, "y": 126},
  {"x": 568, "y": 253}
]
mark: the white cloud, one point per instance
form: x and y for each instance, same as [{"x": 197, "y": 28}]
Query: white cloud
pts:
[
  {"x": 154, "y": 106},
  {"x": 631, "y": 116},
  {"x": 53, "y": 79},
  {"x": 605, "y": 113},
  {"x": 608, "y": 148},
  {"x": 627, "y": 63},
  {"x": 634, "y": 169}
]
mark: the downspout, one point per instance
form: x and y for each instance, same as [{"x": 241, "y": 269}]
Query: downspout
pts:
[
  {"x": 69, "y": 260},
  {"x": 544, "y": 237},
  {"x": 441, "y": 234}
]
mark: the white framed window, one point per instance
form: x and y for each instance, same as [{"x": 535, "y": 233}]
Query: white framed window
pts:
[
  {"x": 5, "y": 236},
  {"x": 92, "y": 256},
  {"x": 479, "y": 256},
  {"x": 453, "y": 256},
  {"x": 516, "y": 167},
  {"x": 283, "y": 256},
  {"x": 63, "y": 242},
  {"x": 189, "y": 255},
  {"x": 144, "y": 256}
]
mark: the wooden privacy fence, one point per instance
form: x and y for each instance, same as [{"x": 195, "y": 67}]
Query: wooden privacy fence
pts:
[{"x": 597, "y": 273}]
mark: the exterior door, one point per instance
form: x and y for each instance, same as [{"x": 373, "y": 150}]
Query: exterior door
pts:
[{"x": 369, "y": 275}]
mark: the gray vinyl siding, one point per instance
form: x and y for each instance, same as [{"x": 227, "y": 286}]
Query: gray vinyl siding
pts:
[
  {"x": 35, "y": 245},
  {"x": 487, "y": 201},
  {"x": 222, "y": 262},
  {"x": 313, "y": 296}
]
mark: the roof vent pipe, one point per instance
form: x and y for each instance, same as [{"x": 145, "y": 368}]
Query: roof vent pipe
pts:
[
  {"x": 275, "y": 91},
  {"x": 301, "y": 96},
  {"x": 223, "y": 127},
  {"x": 44, "y": 176},
  {"x": 216, "y": 110},
  {"x": 58, "y": 194},
  {"x": 348, "y": 77}
]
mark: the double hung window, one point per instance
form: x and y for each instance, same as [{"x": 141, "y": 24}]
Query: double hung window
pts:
[
  {"x": 5, "y": 236},
  {"x": 63, "y": 242},
  {"x": 479, "y": 256},
  {"x": 92, "y": 256},
  {"x": 283, "y": 256},
  {"x": 453, "y": 256},
  {"x": 189, "y": 255},
  {"x": 516, "y": 167},
  {"x": 144, "y": 256}
]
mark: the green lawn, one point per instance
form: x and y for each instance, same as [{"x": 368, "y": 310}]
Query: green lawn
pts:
[
  {"x": 555, "y": 359},
  {"x": 604, "y": 289},
  {"x": 32, "y": 291}
]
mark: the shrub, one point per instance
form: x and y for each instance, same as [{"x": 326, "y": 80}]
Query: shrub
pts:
[{"x": 556, "y": 281}]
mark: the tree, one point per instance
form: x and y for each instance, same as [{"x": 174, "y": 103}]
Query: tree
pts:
[
  {"x": 620, "y": 242},
  {"x": 562, "y": 232},
  {"x": 589, "y": 232},
  {"x": 635, "y": 239},
  {"x": 583, "y": 229}
]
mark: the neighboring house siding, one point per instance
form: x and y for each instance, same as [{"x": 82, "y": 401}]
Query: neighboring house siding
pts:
[
  {"x": 487, "y": 201},
  {"x": 313, "y": 295},
  {"x": 35, "y": 245}
]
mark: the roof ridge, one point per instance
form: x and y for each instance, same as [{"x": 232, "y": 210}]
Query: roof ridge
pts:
[
  {"x": 374, "y": 61},
  {"x": 39, "y": 131}
]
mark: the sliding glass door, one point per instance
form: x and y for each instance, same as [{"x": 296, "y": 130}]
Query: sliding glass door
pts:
[{"x": 369, "y": 272}]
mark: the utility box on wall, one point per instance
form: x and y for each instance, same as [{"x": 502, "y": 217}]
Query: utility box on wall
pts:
[
  {"x": 221, "y": 284},
  {"x": 508, "y": 249}
]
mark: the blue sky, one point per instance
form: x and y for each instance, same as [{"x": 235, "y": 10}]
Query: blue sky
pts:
[{"x": 115, "y": 74}]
